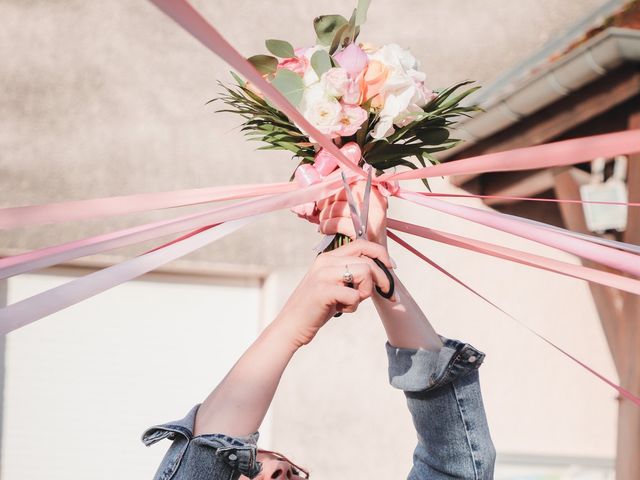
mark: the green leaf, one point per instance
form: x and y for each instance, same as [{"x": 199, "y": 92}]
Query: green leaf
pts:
[
  {"x": 339, "y": 38},
  {"x": 326, "y": 27},
  {"x": 290, "y": 84},
  {"x": 265, "y": 64},
  {"x": 321, "y": 62},
  {"x": 459, "y": 98},
  {"x": 432, "y": 136},
  {"x": 238, "y": 80},
  {"x": 361, "y": 15},
  {"x": 280, "y": 48}
]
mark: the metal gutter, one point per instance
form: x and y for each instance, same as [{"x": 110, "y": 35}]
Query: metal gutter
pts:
[
  {"x": 588, "y": 62},
  {"x": 558, "y": 44}
]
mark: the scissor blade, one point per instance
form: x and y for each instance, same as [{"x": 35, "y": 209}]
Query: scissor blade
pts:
[
  {"x": 353, "y": 209},
  {"x": 364, "y": 213}
]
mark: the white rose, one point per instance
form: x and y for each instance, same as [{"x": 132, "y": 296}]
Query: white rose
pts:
[
  {"x": 321, "y": 110},
  {"x": 404, "y": 91},
  {"x": 335, "y": 82},
  {"x": 393, "y": 55}
]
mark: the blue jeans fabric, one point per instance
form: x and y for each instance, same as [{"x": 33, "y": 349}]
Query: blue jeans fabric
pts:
[{"x": 443, "y": 395}]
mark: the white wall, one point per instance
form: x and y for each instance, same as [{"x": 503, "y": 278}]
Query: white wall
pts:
[{"x": 83, "y": 384}]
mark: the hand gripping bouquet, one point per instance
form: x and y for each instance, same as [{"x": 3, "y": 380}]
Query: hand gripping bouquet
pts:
[{"x": 371, "y": 100}]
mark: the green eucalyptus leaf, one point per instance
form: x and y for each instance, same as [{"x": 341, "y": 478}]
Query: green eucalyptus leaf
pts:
[
  {"x": 321, "y": 62},
  {"x": 326, "y": 27},
  {"x": 265, "y": 64},
  {"x": 361, "y": 15},
  {"x": 290, "y": 84},
  {"x": 280, "y": 48},
  {"x": 339, "y": 38}
]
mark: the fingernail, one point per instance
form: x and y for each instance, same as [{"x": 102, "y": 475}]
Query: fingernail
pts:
[{"x": 393, "y": 263}]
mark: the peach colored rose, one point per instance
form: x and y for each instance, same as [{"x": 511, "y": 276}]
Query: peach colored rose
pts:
[{"x": 372, "y": 80}]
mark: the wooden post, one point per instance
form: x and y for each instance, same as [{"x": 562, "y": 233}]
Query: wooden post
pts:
[
  {"x": 628, "y": 454},
  {"x": 619, "y": 313}
]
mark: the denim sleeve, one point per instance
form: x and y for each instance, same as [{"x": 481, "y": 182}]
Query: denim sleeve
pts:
[
  {"x": 443, "y": 394},
  {"x": 205, "y": 456}
]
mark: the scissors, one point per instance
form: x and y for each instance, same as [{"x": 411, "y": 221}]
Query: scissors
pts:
[{"x": 360, "y": 221}]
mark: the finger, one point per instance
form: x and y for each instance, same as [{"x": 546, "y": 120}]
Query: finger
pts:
[
  {"x": 330, "y": 199},
  {"x": 379, "y": 278},
  {"x": 336, "y": 209},
  {"x": 363, "y": 279},
  {"x": 366, "y": 248},
  {"x": 347, "y": 298},
  {"x": 338, "y": 225}
]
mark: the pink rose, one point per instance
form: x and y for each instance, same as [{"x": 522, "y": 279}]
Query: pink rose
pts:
[
  {"x": 297, "y": 64},
  {"x": 353, "y": 94},
  {"x": 352, "y": 59},
  {"x": 335, "y": 81},
  {"x": 352, "y": 117}
]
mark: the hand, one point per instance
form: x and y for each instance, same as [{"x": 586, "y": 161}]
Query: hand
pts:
[
  {"x": 335, "y": 216},
  {"x": 322, "y": 292}
]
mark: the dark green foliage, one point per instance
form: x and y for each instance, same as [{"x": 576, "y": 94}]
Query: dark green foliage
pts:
[{"x": 411, "y": 146}]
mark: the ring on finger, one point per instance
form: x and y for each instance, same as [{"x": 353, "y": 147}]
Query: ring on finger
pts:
[{"x": 347, "y": 277}]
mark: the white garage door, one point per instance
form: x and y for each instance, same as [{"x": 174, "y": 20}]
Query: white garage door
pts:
[{"x": 83, "y": 384}]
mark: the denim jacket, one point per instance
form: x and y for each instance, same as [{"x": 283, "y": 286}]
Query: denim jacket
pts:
[{"x": 443, "y": 395}]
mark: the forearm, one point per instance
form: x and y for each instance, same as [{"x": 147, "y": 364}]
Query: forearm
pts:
[
  {"x": 404, "y": 321},
  {"x": 239, "y": 403}
]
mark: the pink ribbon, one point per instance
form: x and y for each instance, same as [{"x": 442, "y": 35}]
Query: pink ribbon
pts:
[
  {"x": 627, "y": 284},
  {"x": 567, "y": 152},
  {"x": 623, "y": 261},
  {"x": 527, "y": 199},
  {"x": 61, "y": 253},
  {"x": 622, "y": 391},
  {"x": 184, "y": 14},
  {"x": 38, "y": 306},
  {"x": 17, "y": 217},
  {"x": 324, "y": 164}
]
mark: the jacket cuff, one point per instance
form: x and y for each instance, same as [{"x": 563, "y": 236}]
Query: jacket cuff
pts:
[
  {"x": 238, "y": 452},
  {"x": 419, "y": 370}
]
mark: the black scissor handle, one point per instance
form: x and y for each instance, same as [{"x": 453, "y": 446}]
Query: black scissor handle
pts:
[
  {"x": 392, "y": 285},
  {"x": 378, "y": 289}
]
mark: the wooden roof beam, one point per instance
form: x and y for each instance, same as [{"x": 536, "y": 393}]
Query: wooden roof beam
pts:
[{"x": 551, "y": 122}]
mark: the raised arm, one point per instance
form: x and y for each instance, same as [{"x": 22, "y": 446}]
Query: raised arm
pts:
[
  {"x": 438, "y": 376},
  {"x": 218, "y": 438},
  {"x": 238, "y": 405}
]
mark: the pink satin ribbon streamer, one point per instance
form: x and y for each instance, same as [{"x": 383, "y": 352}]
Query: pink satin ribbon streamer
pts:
[
  {"x": 628, "y": 247},
  {"x": 620, "y": 260},
  {"x": 43, "y": 304},
  {"x": 61, "y": 253},
  {"x": 185, "y": 15},
  {"x": 622, "y": 391},
  {"x": 566, "y": 152},
  {"x": 527, "y": 199},
  {"x": 18, "y": 217},
  {"x": 576, "y": 271}
]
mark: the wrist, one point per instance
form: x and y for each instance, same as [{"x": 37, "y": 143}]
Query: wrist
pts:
[{"x": 283, "y": 333}]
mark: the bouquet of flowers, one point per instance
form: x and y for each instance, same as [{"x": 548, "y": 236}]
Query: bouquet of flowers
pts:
[{"x": 372, "y": 101}]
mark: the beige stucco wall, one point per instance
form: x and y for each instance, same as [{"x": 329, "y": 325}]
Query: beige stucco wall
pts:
[{"x": 105, "y": 98}]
